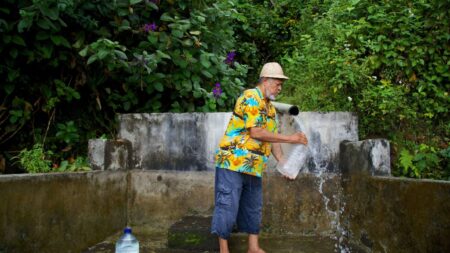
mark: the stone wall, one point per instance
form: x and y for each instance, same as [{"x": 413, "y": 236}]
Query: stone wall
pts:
[{"x": 62, "y": 212}]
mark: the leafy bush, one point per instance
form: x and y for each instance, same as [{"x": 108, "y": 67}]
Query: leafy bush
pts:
[
  {"x": 387, "y": 61},
  {"x": 79, "y": 164},
  {"x": 34, "y": 160},
  {"x": 425, "y": 162},
  {"x": 70, "y": 66}
]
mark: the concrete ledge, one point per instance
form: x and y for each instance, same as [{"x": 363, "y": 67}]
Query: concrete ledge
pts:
[{"x": 52, "y": 212}]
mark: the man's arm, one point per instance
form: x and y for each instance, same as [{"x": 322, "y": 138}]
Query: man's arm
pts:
[
  {"x": 277, "y": 152},
  {"x": 264, "y": 135}
]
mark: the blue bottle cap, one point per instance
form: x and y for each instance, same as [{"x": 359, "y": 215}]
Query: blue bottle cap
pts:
[{"x": 127, "y": 230}]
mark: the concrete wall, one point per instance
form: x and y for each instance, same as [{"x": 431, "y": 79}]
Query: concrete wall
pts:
[
  {"x": 69, "y": 211},
  {"x": 48, "y": 213},
  {"x": 306, "y": 206},
  {"x": 386, "y": 214},
  {"x": 160, "y": 198},
  {"x": 64, "y": 212},
  {"x": 173, "y": 141},
  {"x": 325, "y": 132},
  {"x": 188, "y": 141}
]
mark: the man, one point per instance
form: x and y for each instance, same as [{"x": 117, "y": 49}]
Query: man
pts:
[{"x": 251, "y": 136}]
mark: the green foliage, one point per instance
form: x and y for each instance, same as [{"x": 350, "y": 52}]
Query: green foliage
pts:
[
  {"x": 68, "y": 132},
  {"x": 68, "y": 67},
  {"x": 34, "y": 160},
  {"x": 79, "y": 164},
  {"x": 387, "y": 61},
  {"x": 425, "y": 162}
]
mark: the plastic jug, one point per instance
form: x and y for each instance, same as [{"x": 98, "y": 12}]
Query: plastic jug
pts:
[{"x": 296, "y": 158}]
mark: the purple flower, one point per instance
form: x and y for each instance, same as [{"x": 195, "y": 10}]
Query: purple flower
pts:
[
  {"x": 230, "y": 57},
  {"x": 150, "y": 27},
  {"x": 217, "y": 91}
]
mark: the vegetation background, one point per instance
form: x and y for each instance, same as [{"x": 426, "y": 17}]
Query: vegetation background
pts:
[{"x": 68, "y": 67}]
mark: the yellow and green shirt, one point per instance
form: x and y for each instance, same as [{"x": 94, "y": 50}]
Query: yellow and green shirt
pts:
[{"x": 237, "y": 151}]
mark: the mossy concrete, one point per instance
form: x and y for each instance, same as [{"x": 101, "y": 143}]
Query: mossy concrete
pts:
[
  {"x": 192, "y": 233},
  {"x": 164, "y": 197},
  {"x": 61, "y": 212},
  {"x": 306, "y": 206},
  {"x": 385, "y": 214},
  {"x": 68, "y": 212}
]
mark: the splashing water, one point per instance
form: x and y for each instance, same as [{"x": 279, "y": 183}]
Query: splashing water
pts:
[
  {"x": 320, "y": 156},
  {"x": 296, "y": 159}
]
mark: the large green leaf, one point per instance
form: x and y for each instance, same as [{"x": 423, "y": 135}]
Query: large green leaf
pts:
[{"x": 135, "y": 2}]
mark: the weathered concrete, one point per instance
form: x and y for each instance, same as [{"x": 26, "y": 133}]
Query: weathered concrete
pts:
[
  {"x": 325, "y": 132},
  {"x": 173, "y": 141},
  {"x": 45, "y": 213},
  {"x": 187, "y": 141},
  {"x": 307, "y": 206},
  {"x": 386, "y": 214},
  {"x": 110, "y": 154},
  {"x": 96, "y": 153},
  {"x": 62, "y": 212},
  {"x": 370, "y": 157},
  {"x": 380, "y": 213},
  {"x": 163, "y": 197},
  {"x": 192, "y": 233}
]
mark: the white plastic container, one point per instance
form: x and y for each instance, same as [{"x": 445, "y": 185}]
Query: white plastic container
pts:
[
  {"x": 295, "y": 160},
  {"x": 127, "y": 243}
]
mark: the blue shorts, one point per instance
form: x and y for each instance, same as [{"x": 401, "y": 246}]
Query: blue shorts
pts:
[{"x": 238, "y": 200}]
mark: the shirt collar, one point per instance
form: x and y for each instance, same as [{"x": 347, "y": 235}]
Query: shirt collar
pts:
[{"x": 259, "y": 92}]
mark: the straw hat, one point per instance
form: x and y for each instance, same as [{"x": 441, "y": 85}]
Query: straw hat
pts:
[{"x": 272, "y": 70}]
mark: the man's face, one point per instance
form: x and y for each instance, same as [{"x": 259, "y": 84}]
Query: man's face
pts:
[{"x": 273, "y": 88}]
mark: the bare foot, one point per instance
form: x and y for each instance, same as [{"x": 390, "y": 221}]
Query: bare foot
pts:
[{"x": 256, "y": 251}]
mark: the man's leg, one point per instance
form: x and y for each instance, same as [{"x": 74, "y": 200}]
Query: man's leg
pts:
[
  {"x": 228, "y": 188},
  {"x": 250, "y": 211}
]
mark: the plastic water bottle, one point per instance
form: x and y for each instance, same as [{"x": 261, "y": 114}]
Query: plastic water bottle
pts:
[
  {"x": 296, "y": 158},
  {"x": 127, "y": 243}
]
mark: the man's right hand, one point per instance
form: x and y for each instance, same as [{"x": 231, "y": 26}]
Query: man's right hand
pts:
[{"x": 299, "y": 138}]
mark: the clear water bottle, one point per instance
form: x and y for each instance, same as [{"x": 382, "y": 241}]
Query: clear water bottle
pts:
[
  {"x": 296, "y": 158},
  {"x": 127, "y": 243}
]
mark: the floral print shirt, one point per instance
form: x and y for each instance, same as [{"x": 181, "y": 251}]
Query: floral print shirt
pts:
[{"x": 237, "y": 151}]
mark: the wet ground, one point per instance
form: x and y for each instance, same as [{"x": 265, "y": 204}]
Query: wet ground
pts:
[{"x": 155, "y": 241}]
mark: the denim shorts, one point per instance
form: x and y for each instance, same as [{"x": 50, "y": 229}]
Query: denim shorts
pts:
[{"x": 238, "y": 201}]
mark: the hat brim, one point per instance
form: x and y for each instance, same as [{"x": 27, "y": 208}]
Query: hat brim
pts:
[{"x": 276, "y": 76}]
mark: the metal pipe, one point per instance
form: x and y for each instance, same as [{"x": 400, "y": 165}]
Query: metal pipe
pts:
[{"x": 286, "y": 108}]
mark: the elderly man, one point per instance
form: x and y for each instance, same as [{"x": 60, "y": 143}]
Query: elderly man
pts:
[{"x": 251, "y": 136}]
